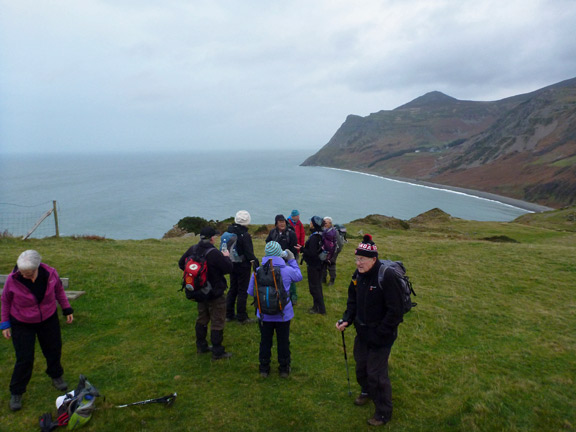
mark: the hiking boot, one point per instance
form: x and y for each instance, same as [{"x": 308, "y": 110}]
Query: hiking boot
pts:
[
  {"x": 247, "y": 321},
  {"x": 378, "y": 420},
  {"x": 204, "y": 349},
  {"x": 224, "y": 355},
  {"x": 15, "y": 402},
  {"x": 264, "y": 374},
  {"x": 362, "y": 399},
  {"x": 285, "y": 372},
  {"x": 59, "y": 384}
]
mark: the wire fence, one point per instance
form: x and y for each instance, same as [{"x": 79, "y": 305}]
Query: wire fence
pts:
[{"x": 38, "y": 221}]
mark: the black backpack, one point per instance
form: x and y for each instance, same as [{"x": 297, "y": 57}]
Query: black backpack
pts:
[
  {"x": 400, "y": 272},
  {"x": 270, "y": 296}
]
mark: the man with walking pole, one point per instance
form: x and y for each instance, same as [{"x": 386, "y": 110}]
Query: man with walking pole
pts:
[{"x": 375, "y": 308}]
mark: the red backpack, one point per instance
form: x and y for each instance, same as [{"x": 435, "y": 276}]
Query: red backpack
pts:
[{"x": 195, "y": 277}]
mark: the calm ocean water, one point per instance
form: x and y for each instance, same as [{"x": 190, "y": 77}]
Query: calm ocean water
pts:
[{"x": 126, "y": 196}]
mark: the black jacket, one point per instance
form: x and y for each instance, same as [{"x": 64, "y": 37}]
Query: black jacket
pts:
[
  {"x": 287, "y": 239},
  {"x": 244, "y": 245},
  {"x": 218, "y": 266},
  {"x": 312, "y": 249},
  {"x": 375, "y": 311}
]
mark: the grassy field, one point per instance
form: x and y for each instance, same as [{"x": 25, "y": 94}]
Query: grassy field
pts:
[{"x": 491, "y": 345}]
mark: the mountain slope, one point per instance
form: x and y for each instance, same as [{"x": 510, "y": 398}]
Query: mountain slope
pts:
[{"x": 523, "y": 146}]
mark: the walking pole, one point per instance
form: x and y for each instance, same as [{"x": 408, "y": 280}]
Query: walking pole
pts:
[
  {"x": 168, "y": 400},
  {"x": 346, "y": 361}
]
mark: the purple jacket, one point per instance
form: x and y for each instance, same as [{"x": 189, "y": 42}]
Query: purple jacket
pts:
[
  {"x": 290, "y": 273},
  {"x": 18, "y": 300}
]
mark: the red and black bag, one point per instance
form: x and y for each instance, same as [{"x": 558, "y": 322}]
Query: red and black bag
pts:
[{"x": 195, "y": 278}]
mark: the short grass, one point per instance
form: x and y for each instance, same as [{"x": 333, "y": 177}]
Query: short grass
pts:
[{"x": 491, "y": 345}]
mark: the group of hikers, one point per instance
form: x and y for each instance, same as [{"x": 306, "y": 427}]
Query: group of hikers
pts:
[
  {"x": 285, "y": 244},
  {"x": 374, "y": 305}
]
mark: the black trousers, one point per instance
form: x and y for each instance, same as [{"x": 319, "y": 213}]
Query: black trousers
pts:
[
  {"x": 267, "y": 329},
  {"x": 372, "y": 375},
  {"x": 315, "y": 287},
  {"x": 24, "y": 340},
  {"x": 238, "y": 293}
]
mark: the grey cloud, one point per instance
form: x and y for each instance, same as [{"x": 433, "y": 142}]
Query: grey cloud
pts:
[{"x": 131, "y": 74}]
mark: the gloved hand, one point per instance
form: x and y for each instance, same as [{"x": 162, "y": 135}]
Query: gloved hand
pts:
[{"x": 289, "y": 255}]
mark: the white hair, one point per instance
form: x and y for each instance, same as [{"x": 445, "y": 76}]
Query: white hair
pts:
[
  {"x": 328, "y": 218},
  {"x": 29, "y": 260}
]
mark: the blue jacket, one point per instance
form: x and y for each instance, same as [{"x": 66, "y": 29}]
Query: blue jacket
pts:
[{"x": 290, "y": 273}]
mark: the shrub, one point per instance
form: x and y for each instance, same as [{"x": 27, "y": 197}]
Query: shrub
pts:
[{"x": 193, "y": 224}]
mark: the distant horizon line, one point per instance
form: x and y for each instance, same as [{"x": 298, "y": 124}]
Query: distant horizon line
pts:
[{"x": 157, "y": 151}]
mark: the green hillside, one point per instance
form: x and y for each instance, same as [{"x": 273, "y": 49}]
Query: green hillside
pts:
[{"x": 491, "y": 345}]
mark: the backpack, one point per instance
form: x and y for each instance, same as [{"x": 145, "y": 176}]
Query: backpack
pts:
[
  {"x": 74, "y": 408},
  {"x": 195, "y": 277},
  {"x": 342, "y": 232},
  {"x": 400, "y": 272},
  {"x": 269, "y": 293},
  {"x": 323, "y": 254},
  {"x": 229, "y": 241},
  {"x": 330, "y": 242},
  {"x": 339, "y": 242}
]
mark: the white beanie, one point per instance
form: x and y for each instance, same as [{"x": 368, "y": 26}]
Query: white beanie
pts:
[{"x": 242, "y": 218}]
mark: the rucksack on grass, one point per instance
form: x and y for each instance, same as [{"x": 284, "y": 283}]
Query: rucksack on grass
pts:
[
  {"x": 269, "y": 293},
  {"x": 74, "y": 408},
  {"x": 229, "y": 241},
  {"x": 400, "y": 272}
]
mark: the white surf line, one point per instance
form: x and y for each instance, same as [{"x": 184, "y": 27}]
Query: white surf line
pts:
[{"x": 431, "y": 187}]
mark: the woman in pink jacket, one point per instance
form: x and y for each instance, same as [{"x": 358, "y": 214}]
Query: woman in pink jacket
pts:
[{"x": 29, "y": 310}]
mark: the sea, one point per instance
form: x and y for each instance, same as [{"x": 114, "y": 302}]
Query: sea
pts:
[{"x": 140, "y": 196}]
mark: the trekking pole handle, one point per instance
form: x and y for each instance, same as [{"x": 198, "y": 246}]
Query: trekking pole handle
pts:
[{"x": 339, "y": 323}]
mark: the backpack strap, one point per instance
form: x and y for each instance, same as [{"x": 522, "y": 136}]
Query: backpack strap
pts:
[
  {"x": 197, "y": 255},
  {"x": 257, "y": 297},
  {"x": 381, "y": 272},
  {"x": 384, "y": 265},
  {"x": 275, "y": 284}
]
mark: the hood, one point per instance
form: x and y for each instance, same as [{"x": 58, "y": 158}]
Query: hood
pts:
[
  {"x": 276, "y": 261},
  {"x": 237, "y": 229}
]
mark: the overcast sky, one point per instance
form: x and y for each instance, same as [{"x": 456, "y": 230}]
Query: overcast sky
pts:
[{"x": 140, "y": 75}]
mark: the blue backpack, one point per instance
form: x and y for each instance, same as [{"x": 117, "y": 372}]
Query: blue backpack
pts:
[
  {"x": 229, "y": 241},
  {"x": 269, "y": 294}
]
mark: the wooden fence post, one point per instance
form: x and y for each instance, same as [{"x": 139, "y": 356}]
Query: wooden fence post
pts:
[{"x": 56, "y": 219}]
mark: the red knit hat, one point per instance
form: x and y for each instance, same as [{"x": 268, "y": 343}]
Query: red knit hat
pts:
[{"x": 367, "y": 248}]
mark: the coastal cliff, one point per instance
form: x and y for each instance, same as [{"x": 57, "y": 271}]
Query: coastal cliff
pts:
[{"x": 523, "y": 147}]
